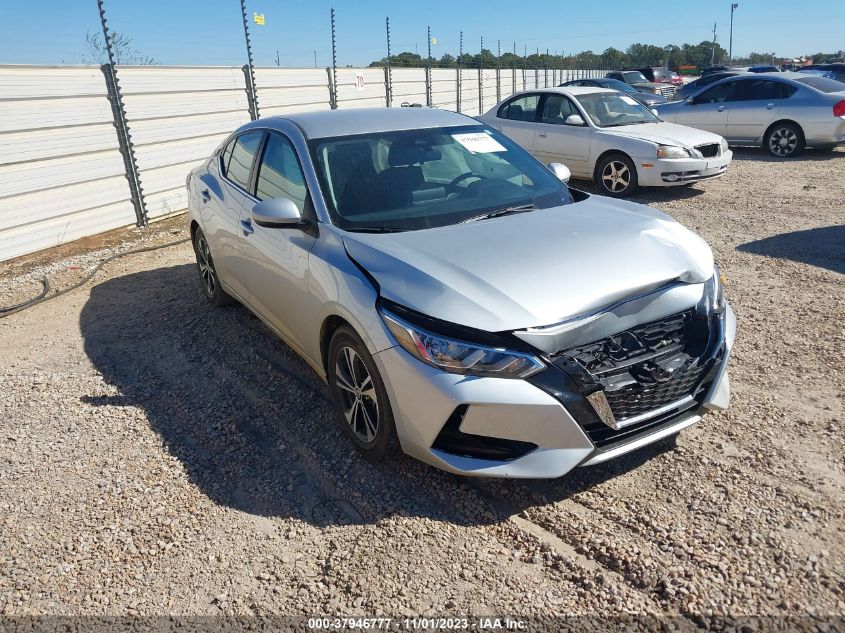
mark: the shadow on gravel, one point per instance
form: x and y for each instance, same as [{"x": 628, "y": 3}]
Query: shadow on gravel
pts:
[
  {"x": 648, "y": 195},
  {"x": 251, "y": 423},
  {"x": 823, "y": 247},
  {"x": 759, "y": 154}
]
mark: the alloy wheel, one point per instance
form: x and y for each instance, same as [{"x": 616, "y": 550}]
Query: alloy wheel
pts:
[
  {"x": 616, "y": 176},
  {"x": 206, "y": 265},
  {"x": 358, "y": 395},
  {"x": 783, "y": 141}
]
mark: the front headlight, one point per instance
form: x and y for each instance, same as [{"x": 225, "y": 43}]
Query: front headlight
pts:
[
  {"x": 657, "y": 91},
  {"x": 724, "y": 145},
  {"x": 460, "y": 357},
  {"x": 714, "y": 291},
  {"x": 670, "y": 151}
]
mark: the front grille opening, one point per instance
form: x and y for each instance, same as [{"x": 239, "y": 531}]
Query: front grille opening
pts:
[
  {"x": 646, "y": 368},
  {"x": 709, "y": 150},
  {"x": 451, "y": 440}
]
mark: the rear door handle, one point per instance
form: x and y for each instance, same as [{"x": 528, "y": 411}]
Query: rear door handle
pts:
[
  {"x": 246, "y": 227},
  {"x": 206, "y": 196},
  {"x": 770, "y": 106},
  {"x": 720, "y": 109},
  {"x": 542, "y": 135}
]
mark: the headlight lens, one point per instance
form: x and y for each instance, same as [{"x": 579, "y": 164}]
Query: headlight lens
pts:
[
  {"x": 657, "y": 91},
  {"x": 669, "y": 151},
  {"x": 714, "y": 290},
  {"x": 460, "y": 357},
  {"x": 724, "y": 146}
]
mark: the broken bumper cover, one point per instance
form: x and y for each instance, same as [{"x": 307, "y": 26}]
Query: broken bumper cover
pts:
[
  {"x": 668, "y": 172},
  {"x": 536, "y": 424}
]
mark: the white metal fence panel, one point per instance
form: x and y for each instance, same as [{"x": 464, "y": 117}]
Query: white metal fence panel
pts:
[
  {"x": 444, "y": 88},
  {"x": 488, "y": 92},
  {"x": 177, "y": 116},
  {"x": 469, "y": 91},
  {"x": 352, "y": 92},
  {"x": 61, "y": 171},
  {"x": 286, "y": 90},
  {"x": 408, "y": 86}
]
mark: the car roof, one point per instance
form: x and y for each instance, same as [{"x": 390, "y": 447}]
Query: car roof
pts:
[
  {"x": 571, "y": 90},
  {"x": 330, "y": 123}
]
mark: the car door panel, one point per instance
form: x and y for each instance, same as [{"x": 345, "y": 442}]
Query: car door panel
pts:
[
  {"x": 709, "y": 110},
  {"x": 556, "y": 142},
  {"x": 516, "y": 119},
  {"x": 759, "y": 107},
  {"x": 275, "y": 259}
]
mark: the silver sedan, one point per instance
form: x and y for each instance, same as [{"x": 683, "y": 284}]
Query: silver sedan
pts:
[
  {"x": 783, "y": 112},
  {"x": 463, "y": 304}
]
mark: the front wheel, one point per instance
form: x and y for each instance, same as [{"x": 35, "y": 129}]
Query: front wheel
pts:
[
  {"x": 617, "y": 176},
  {"x": 784, "y": 140},
  {"x": 359, "y": 396}
]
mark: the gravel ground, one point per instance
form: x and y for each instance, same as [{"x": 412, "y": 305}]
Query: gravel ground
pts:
[{"x": 158, "y": 456}]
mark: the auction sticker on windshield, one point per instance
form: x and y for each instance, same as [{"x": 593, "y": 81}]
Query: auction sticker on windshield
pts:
[{"x": 479, "y": 143}]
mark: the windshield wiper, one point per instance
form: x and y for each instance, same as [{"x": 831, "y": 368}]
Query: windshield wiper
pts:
[
  {"x": 519, "y": 208},
  {"x": 376, "y": 229}
]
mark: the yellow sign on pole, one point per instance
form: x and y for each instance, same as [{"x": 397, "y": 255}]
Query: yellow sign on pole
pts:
[
  {"x": 434, "y": 41},
  {"x": 258, "y": 18}
]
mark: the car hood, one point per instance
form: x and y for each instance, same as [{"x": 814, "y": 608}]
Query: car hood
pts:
[
  {"x": 650, "y": 84},
  {"x": 535, "y": 268},
  {"x": 665, "y": 133}
]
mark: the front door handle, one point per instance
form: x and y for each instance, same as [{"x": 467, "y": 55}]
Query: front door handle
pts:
[
  {"x": 720, "y": 109},
  {"x": 770, "y": 106},
  {"x": 542, "y": 135},
  {"x": 206, "y": 196},
  {"x": 246, "y": 227}
]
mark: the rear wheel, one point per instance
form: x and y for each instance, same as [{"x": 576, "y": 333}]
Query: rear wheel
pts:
[
  {"x": 784, "y": 140},
  {"x": 616, "y": 176},
  {"x": 359, "y": 396},
  {"x": 209, "y": 282}
]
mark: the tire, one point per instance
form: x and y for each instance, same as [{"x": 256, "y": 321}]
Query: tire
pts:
[
  {"x": 359, "y": 397},
  {"x": 208, "y": 280},
  {"x": 784, "y": 140},
  {"x": 616, "y": 176}
]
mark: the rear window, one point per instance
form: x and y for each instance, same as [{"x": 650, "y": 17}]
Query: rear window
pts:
[{"x": 823, "y": 84}]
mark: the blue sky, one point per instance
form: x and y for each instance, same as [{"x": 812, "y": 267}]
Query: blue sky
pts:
[{"x": 209, "y": 32}]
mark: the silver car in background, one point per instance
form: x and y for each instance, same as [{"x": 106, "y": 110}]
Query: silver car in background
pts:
[
  {"x": 461, "y": 301},
  {"x": 782, "y": 112}
]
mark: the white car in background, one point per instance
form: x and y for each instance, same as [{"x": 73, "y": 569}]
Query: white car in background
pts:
[{"x": 606, "y": 136}]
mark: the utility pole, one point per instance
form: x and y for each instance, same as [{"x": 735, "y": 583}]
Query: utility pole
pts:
[
  {"x": 277, "y": 58},
  {"x": 428, "y": 95},
  {"x": 734, "y": 7},
  {"x": 713, "y": 52},
  {"x": 315, "y": 59}
]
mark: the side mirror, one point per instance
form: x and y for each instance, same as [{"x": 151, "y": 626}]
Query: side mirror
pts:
[
  {"x": 560, "y": 170},
  {"x": 690, "y": 100},
  {"x": 575, "y": 119},
  {"x": 276, "y": 212}
]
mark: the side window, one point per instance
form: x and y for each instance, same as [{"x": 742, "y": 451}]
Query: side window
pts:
[
  {"x": 520, "y": 109},
  {"x": 719, "y": 94},
  {"x": 279, "y": 175},
  {"x": 617, "y": 76},
  {"x": 243, "y": 152},
  {"x": 765, "y": 90},
  {"x": 226, "y": 156},
  {"x": 556, "y": 108}
]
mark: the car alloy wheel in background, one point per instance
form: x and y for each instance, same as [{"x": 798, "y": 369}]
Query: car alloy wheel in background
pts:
[
  {"x": 784, "y": 140},
  {"x": 617, "y": 176}
]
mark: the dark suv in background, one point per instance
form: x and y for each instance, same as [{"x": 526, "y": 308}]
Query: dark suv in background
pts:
[
  {"x": 660, "y": 75},
  {"x": 636, "y": 79}
]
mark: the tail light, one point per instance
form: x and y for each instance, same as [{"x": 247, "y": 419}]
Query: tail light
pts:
[{"x": 839, "y": 109}]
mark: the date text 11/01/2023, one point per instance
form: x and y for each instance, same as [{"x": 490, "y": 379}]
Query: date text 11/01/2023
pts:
[{"x": 418, "y": 624}]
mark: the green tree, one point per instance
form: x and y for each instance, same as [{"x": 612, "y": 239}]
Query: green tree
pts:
[{"x": 123, "y": 50}]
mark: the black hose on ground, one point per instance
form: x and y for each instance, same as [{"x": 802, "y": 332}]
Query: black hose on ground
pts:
[{"x": 44, "y": 296}]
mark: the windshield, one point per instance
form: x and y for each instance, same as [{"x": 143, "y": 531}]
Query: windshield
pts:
[
  {"x": 418, "y": 179},
  {"x": 609, "y": 109},
  {"x": 822, "y": 83},
  {"x": 635, "y": 76},
  {"x": 621, "y": 86}
]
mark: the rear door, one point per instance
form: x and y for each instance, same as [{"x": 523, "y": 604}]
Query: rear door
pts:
[
  {"x": 759, "y": 103},
  {"x": 709, "y": 110},
  {"x": 223, "y": 193},
  {"x": 516, "y": 118},
  {"x": 557, "y": 142}
]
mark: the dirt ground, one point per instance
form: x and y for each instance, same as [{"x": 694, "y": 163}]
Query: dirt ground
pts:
[{"x": 159, "y": 456}]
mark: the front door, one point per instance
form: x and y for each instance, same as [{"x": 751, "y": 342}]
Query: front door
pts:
[
  {"x": 709, "y": 110},
  {"x": 275, "y": 260},
  {"x": 557, "y": 142}
]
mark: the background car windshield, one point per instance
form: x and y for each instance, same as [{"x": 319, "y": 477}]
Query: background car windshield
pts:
[
  {"x": 610, "y": 109},
  {"x": 635, "y": 77},
  {"x": 417, "y": 179},
  {"x": 621, "y": 86}
]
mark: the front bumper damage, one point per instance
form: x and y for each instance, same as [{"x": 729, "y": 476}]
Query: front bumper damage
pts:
[{"x": 544, "y": 426}]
